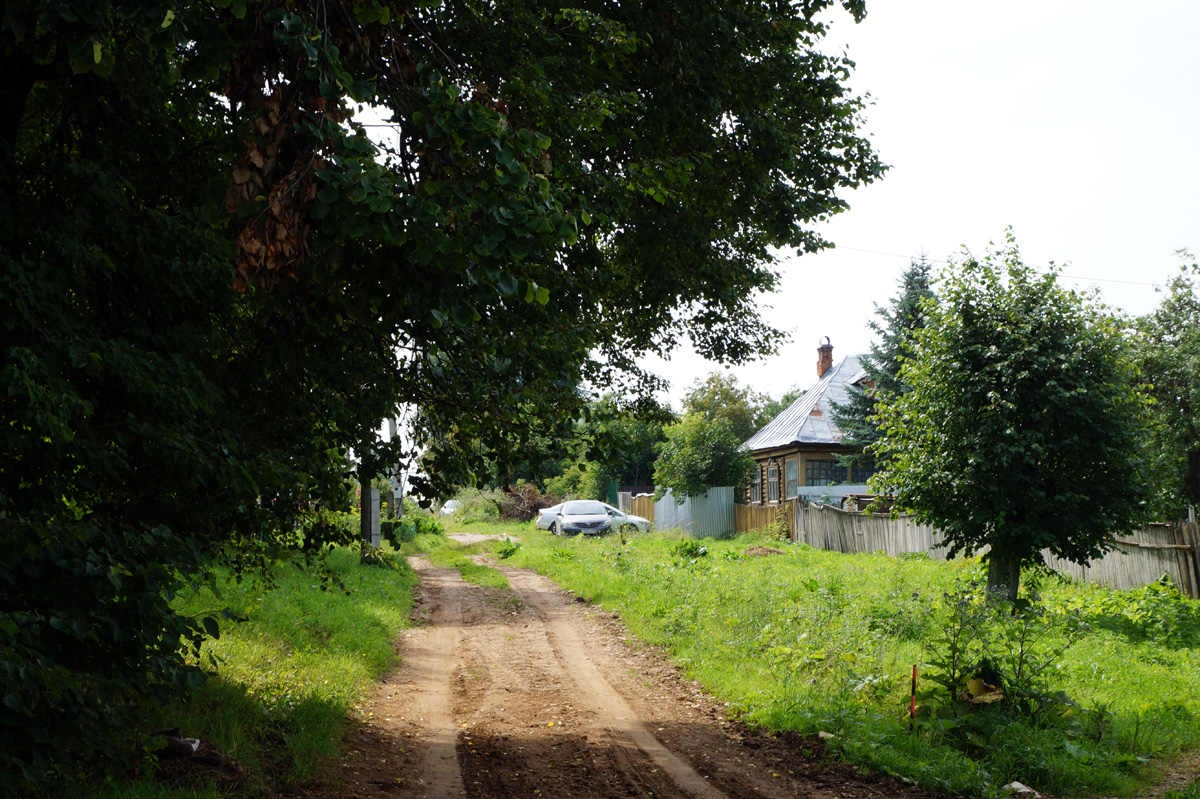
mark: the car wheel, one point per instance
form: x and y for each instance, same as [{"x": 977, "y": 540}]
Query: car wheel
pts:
[
  {"x": 556, "y": 528},
  {"x": 628, "y": 529}
]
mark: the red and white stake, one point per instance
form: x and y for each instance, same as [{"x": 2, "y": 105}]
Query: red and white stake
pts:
[{"x": 912, "y": 704}]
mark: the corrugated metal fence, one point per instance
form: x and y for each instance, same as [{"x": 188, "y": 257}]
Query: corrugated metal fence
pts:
[{"x": 710, "y": 516}]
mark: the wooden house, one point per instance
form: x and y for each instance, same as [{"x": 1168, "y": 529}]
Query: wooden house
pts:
[{"x": 800, "y": 451}]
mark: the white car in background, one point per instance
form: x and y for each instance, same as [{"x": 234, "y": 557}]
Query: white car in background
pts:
[
  {"x": 590, "y": 517},
  {"x": 545, "y": 519}
]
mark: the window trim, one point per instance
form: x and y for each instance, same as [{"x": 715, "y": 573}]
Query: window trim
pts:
[
  {"x": 833, "y": 477},
  {"x": 772, "y": 484}
]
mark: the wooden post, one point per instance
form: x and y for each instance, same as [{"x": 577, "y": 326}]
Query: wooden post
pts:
[{"x": 369, "y": 517}]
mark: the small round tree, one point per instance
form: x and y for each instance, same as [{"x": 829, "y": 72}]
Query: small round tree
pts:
[
  {"x": 1022, "y": 429},
  {"x": 700, "y": 454}
]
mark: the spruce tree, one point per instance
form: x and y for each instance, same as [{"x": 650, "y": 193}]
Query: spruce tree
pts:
[{"x": 894, "y": 330}]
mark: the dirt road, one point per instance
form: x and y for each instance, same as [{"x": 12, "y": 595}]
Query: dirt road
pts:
[{"x": 528, "y": 693}]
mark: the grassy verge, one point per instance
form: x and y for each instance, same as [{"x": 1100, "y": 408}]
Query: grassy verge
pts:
[
  {"x": 287, "y": 676},
  {"x": 819, "y": 641},
  {"x": 452, "y": 555}
]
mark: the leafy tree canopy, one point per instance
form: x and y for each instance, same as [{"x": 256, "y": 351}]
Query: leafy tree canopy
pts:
[
  {"x": 214, "y": 283},
  {"x": 1021, "y": 428},
  {"x": 719, "y": 396},
  {"x": 1168, "y": 349},
  {"x": 613, "y": 443},
  {"x": 699, "y": 454}
]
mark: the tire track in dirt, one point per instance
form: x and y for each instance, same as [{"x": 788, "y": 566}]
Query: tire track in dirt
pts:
[
  {"x": 431, "y": 656},
  {"x": 610, "y": 708},
  {"x": 528, "y": 694}
]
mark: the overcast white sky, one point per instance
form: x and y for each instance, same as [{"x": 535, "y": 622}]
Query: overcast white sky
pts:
[{"x": 1077, "y": 123}]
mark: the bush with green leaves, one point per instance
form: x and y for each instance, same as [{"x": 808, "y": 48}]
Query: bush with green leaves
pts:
[
  {"x": 700, "y": 454},
  {"x": 479, "y": 505}
]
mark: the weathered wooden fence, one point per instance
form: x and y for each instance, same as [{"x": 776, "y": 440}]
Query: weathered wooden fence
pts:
[
  {"x": 1140, "y": 557},
  {"x": 827, "y": 527},
  {"x": 1143, "y": 556}
]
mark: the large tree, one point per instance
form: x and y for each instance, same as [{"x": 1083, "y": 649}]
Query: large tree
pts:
[
  {"x": 1021, "y": 429},
  {"x": 214, "y": 283},
  {"x": 1168, "y": 347},
  {"x": 894, "y": 328},
  {"x": 720, "y": 396}
]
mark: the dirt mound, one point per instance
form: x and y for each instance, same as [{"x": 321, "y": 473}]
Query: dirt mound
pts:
[{"x": 759, "y": 552}]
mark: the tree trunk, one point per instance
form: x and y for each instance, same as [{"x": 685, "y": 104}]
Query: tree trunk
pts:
[
  {"x": 1004, "y": 573},
  {"x": 1191, "y": 478},
  {"x": 364, "y": 493}
]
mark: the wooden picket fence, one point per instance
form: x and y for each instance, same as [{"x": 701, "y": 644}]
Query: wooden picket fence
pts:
[
  {"x": 642, "y": 506},
  {"x": 760, "y": 517},
  {"x": 1140, "y": 557}
]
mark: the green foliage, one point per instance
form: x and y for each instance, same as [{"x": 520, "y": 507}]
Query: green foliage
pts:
[
  {"x": 719, "y": 396},
  {"x": 700, "y": 454},
  {"x": 1157, "y": 612},
  {"x": 1021, "y": 428},
  {"x": 689, "y": 549},
  {"x": 479, "y": 505},
  {"x": 612, "y": 443},
  {"x": 1168, "y": 352},
  {"x": 507, "y": 548},
  {"x": 894, "y": 328},
  {"x": 779, "y": 529},
  {"x": 406, "y": 528},
  {"x": 292, "y": 663},
  {"x": 214, "y": 285},
  {"x": 1015, "y": 650}
]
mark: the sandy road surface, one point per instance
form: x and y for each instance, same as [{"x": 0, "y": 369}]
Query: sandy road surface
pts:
[{"x": 528, "y": 693}]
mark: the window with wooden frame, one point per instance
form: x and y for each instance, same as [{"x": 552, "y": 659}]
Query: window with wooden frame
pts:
[
  {"x": 756, "y": 486},
  {"x": 860, "y": 473},
  {"x": 823, "y": 472},
  {"x": 772, "y": 484},
  {"x": 791, "y": 477}
]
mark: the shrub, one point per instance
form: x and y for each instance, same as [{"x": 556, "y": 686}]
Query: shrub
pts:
[{"x": 478, "y": 505}]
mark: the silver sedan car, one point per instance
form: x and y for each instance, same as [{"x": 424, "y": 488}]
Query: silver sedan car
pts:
[
  {"x": 545, "y": 519},
  {"x": 590, "y": 517}
]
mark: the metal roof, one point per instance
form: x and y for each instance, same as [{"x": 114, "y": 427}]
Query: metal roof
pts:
[{"x": 809, "y": 420}]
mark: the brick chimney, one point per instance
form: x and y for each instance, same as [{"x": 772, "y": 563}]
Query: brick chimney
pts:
[{"x": 824, "y": 357}]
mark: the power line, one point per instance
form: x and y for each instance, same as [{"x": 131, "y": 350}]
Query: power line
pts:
[{"x": 943, "y": 260}]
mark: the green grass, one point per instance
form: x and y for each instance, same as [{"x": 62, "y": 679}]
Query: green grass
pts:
[
  {"x": 819, "y": 641},
  {"x": 288, "y": 676},
  {"x": 451, "y": 555}
]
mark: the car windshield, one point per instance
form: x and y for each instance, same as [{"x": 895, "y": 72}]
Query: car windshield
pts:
[{"x": 583, "y": 508}]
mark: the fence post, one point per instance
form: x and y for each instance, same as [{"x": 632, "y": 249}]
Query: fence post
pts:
[{"x": 369, "y": 517}]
